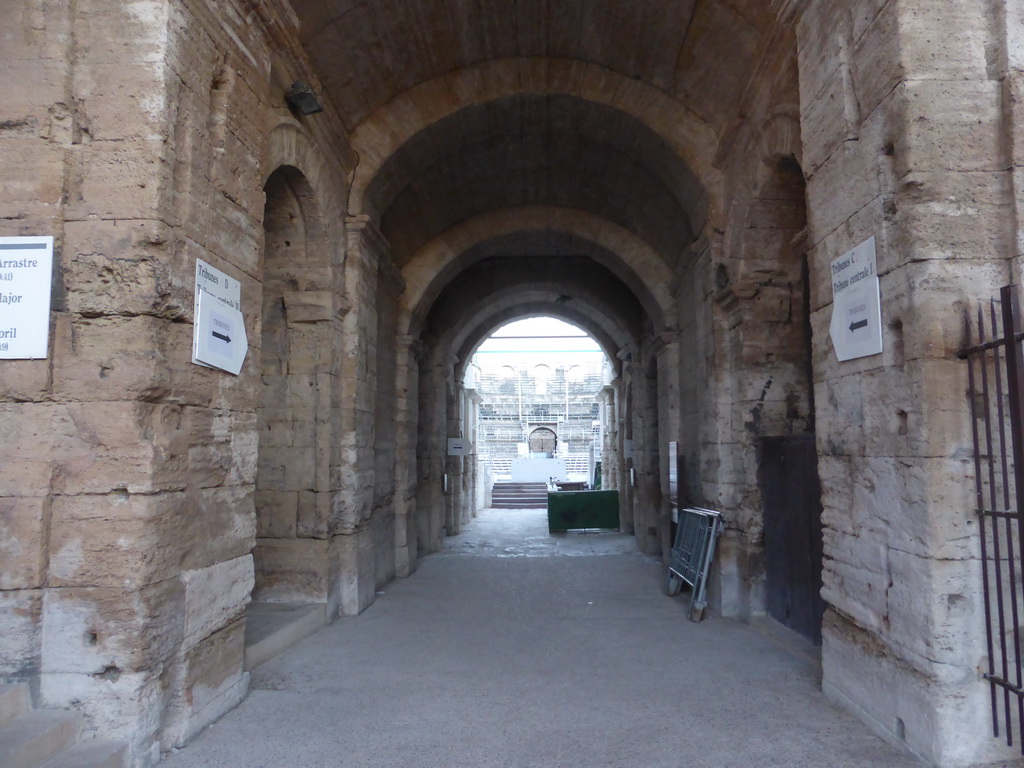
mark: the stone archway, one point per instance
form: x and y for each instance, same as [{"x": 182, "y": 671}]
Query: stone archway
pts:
[
  {"x": 542, "y": 442},
  {"x": 380, "y": 135},
  {"x": 631, "y": 259}
]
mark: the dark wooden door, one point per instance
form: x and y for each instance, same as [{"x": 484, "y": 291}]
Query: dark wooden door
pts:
[{"x": 788, "y": 477}]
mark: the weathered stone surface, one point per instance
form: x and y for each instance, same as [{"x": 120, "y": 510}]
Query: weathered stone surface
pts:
[
  {"x": 215, "y": 596},
  {"x": 214, "y": 682},
  {"x": 352, "y": 589},
  {"x": 291, "y": 570},
  {"x": 125, "y": 707},
  {"x": 96, "y": 447},
  {"x": 221, "y": 523},
  {"x": 113, "y": 358},
  {"x": 276, "y": 514},
  {"x": 117, "y": 540},
  {"x": 23, "y": 549},
  {"x": 683, "y": 187},
  {"x": 109, "y": 632},
  {"x": 125, "y": 268},
  {"x": 859, "y": 674},
  {"x": 21, "y": 640},
  {"x": 33, "y": 183}
]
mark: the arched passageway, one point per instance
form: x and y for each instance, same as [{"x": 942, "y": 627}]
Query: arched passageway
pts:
[{"x": 390, "y": 181}]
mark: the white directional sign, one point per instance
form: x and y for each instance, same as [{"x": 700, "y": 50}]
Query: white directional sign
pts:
[
  {"x": 459, "y": 446},
  {"x": 218, "y": 338},
  {"x": 221, "y": 335},
  {"x": 856, "y": 328},
  {"x": 26, "y": 271}
]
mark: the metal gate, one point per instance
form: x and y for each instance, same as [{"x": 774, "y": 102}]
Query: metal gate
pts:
[{"x": 995, "y": 371}]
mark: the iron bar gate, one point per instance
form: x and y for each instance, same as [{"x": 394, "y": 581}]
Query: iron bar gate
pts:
[{"x": 996, "y": 375}]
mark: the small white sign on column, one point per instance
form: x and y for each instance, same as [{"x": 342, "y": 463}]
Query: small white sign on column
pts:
[
  {"x": 459, "y": 446},
  {"x": 218, "y": 339},
  {"x": 856, "y": 327},
  {"x": 26, "y": 275}
]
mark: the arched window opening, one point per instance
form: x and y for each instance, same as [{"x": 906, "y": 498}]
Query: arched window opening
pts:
[{"x": 543, "y": 442}]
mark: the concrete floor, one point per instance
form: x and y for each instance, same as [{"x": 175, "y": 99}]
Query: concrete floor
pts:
[{"x": 517, "y": 648}]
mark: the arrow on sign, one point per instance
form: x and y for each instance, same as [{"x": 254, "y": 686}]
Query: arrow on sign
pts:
[
  {"x": 853, "y": 326},
  {"x": 222, "y": 337}
]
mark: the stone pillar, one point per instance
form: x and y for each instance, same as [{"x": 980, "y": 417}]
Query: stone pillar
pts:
[
  {"x": 666, "y": 421},
  {"x": 904, "y": 637},
  {"x": 474, "y": 494},
  {"x": 353, "y": 577},
  {"x": 431, "y": 453},
  {"x": 453, "y": 464},
  {"x": 407, "y": 391},
  {"x": 120, "y": 458},
  {"x": 386, "y": 490},
  {"x": 609, "y": 439}
]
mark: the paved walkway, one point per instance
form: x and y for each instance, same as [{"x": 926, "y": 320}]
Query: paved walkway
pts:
[{"x": 513, "y": 648}]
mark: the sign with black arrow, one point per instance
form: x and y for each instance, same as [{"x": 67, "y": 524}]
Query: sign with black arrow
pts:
[
  {"x": 222, "y": 340},
  {"x": 856, "y": 328},
  {"x": 219, "y": 339}
]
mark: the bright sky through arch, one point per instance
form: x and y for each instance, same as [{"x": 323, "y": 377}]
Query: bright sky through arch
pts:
[{"x": 550, "y": 341}]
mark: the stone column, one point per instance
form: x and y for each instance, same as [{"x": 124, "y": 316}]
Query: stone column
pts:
[
  {"x": 407, "y": 389},
  {"x": 120, "y": 458},
  {"x": 609, "y": 437},
  {"x": 667, "y": 421},
  {"x": 353, "y": 570},
  {"x": 453, "y": 464},
  {"x": 431, "y": 453},
  {"x": 475, "y": 492},
  {"x": 386, "y": 490},
  {"x": 917, "y": 158}
]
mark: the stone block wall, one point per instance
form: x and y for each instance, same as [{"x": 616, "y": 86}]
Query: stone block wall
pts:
[
  {"x": 141, "y": 134},
  {"x": 904, "y": 140},
  {"x": 744, "y": 334}
]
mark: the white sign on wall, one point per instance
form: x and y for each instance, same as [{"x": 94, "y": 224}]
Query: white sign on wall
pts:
[
  {"x": 26, "y": 273},
  {"x": 218, "y": 337},
  {"x": 459, "y": 446},
  {"x": 856, "y": 328}
]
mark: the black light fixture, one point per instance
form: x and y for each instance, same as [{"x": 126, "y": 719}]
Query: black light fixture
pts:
[{"x": 301, "y": 97}]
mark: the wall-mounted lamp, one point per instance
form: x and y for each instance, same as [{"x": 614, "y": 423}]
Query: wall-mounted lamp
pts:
[{"x": 301, "y": 97}]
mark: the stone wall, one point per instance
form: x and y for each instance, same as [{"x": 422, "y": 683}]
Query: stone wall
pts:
[
  {"x": 743, "y": 322},
  {"x": 143, "y": 499},
  {"x": 128, "y": 494},
  {"x": 904, "y": 140}
]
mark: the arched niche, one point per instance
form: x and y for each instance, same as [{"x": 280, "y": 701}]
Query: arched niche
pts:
[{"x": 292, "y": 477}]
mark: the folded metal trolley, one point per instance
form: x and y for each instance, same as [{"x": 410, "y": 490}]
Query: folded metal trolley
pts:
[{"x": 691, "y": 555}]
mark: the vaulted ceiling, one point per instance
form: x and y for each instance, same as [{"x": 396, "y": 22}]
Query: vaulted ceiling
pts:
[
  {"x": 620, "y": 126},
  {"x": 369, "y": 51}
]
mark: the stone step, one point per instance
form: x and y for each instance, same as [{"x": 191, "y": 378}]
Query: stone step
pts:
[
  {"x": 15, "y": 701},
  {"x": 519, "y": 495},
  {"x": 30, "y": 740},
  {"x": 91, "y": 754}
]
